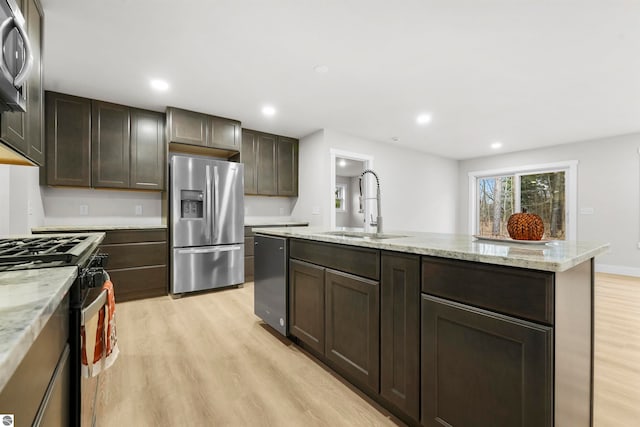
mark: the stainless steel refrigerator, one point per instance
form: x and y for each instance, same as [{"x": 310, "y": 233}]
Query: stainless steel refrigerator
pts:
[{"x": 207, "y": 223}]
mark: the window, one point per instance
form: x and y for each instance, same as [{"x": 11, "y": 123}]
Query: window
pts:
[{"x": 546, "y": 190}]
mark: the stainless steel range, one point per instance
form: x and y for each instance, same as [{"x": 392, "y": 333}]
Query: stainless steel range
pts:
[{"x": 81, "y": 250}]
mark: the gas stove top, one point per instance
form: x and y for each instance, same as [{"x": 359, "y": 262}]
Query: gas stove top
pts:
[{"x": 43, "y": 251}]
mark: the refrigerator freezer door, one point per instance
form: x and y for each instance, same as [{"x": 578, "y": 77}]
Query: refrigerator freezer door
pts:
[
  {"x": 228, "y": 202},
  {"x": 270, "y": 283},
  {"x": 191, "y": 196},
  {"x": 196, "y": 269}
]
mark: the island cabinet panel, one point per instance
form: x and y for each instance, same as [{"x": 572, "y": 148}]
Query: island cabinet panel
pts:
[
  {"x": 352, "y": 334},
  {"x": 518, "y": 292},
  {"x": 68, "y": 136},
  {"x": 110, "y": 144},
  {"x": 400, "y": 332},
  {"x": 363, "y": 262},
  {"x": 484, "y": 369},
  {"x": 307, "y": 304}
]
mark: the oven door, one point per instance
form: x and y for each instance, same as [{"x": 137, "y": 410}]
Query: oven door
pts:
[{"x": 95, "y": 301}]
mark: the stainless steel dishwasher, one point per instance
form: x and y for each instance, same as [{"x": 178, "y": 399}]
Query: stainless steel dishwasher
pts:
[{"x": 270, "y": 282}]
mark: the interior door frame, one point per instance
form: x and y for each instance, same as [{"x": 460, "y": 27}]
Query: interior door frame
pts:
[{"x": 368, "y": 164}]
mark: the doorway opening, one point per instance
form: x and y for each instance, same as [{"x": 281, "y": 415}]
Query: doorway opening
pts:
[{"x": 348, "y": 210}]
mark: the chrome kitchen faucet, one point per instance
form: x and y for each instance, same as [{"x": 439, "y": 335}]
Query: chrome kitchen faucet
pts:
[{"x": 378, "y": 222}]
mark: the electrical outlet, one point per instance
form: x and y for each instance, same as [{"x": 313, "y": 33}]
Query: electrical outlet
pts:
[
  {"x": 84, "y": 209},
  {"x": 281, "y": 211},
  {"x": 138, "y": 210},
  {"x": 315, "y": 210}
]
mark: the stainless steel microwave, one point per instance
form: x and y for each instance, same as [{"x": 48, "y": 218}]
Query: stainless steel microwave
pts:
[{"x": 16, "y": 59}]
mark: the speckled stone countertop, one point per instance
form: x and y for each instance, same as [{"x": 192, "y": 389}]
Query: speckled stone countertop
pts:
[
  {"x": 554, "y": 256},
  {"x": 28, "y": 298},
  {"x": 76, "y": 228}
]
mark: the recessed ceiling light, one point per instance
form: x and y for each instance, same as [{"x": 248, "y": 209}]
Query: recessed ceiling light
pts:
[
  {"x": 159, "y": 85},
  {"x": 496, "y": 145},
  {"x": 268, "y": 110},
  {"x": 321, "y": 69},
  {"x": 423, "y": 119},
  {"x": 342, "y": 163}
]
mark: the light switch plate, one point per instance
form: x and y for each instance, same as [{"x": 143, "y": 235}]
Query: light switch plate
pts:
[
  {"x": 84, "y": 209},
  {"x": 138, "y": 210},
  {"x": 315, "y": 210},
  {"x": 586, "y": 211}
]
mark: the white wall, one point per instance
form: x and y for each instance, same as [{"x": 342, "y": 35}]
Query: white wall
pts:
[
  {"x": 106, "y": 207},
  {"x": 22, "y": 207},
  {"x": 608, "y": 182},
  {"x": 268, "y": 206},
  {"x": 418, "y": 190}
]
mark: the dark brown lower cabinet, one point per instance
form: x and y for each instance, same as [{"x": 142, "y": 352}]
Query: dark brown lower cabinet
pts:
[
  {"x": 400, "y": 332},
  {"x": 352, "y": 334},
  {"x": 484, "y": 369},
  {"x": 306, "y": 304}
]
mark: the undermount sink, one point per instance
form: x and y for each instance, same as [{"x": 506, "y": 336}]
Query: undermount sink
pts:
[{"x": 362, "y": 235}]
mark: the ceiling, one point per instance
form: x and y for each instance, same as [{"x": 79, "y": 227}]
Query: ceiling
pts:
[{"x": 527, "y": 73}]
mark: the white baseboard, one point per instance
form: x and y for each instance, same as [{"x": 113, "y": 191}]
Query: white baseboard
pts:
[{"x": 617, "y": 269}]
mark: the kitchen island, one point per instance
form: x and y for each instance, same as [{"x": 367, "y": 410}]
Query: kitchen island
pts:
[{"x": 446, "y": 329}]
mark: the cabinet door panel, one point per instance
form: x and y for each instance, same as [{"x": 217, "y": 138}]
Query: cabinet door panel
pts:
[
  {"x": 110, "y": 144},
  {"x": 306, "y": 304},
  {"x": 352, "y": 327},
  {"x": 187, "y": 127},
  {"x": 248, "y": 156},
  {"x": 68, "y": 135},
  {"x": 266, "y": 165},
  {"x": 225, "y": 134},
  {"x": 481, "y": 368},
  {"x": 14, "y": 129},
  {"x": 147, "y": 150},
  {"x": 287, "y": 166},
  {"x": 35, "y": 103},
  {"x": 400, "y": 332}
]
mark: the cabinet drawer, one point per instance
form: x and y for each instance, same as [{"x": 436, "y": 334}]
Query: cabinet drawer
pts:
[
  {"x": 248, "y": 246},
  {"x": 135, "y": 255},
  {"x": 136, "y": 283},
  {"x": 134, "y": 236},
  {"x": 522, "y": 293},
  {"x": 363, "y": 262},
  {"x": 26, "y": 389}
]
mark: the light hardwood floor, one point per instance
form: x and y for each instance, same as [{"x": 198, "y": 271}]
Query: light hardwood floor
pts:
[{"x": 206, "y": 360}]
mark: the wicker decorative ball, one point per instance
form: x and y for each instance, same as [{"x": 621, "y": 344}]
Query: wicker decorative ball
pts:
[{"x": 525, "y": 226}]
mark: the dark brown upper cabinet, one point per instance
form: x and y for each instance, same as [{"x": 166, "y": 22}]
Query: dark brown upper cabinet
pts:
[
  {"x": 23, "y": 131},
  {"x": 110, "y": 145},
  {"x": 270, "y": 164},
  {"x": 97, "y": 144},
  {"x": 189, "y": 127},
  {"x": 68, "y": 135},
  {"x": 147, "y": 150},
  {"x": 287, "y": 155},
  {"x": 248, "y": 156}
]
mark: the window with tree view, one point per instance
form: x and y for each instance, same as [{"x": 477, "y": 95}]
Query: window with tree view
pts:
[{"x": 542, "y": 193}]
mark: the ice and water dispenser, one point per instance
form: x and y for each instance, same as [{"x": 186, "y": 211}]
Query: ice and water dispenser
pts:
[{"x": 191, "y": 203}]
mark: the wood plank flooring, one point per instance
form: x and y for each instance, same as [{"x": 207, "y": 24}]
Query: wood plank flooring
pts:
[
  {"x": 617, "y": 351},
  {"x": 206, "y": 360}
]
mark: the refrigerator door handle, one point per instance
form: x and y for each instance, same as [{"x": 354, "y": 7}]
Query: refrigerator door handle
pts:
[
  {"x": 210, "y": 250},
  {"x": 216, "y": 202},
  {"x": 207, "y": 204}
]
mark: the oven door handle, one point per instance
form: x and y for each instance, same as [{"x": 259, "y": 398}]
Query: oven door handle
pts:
[{"x": 95, "y": 306}]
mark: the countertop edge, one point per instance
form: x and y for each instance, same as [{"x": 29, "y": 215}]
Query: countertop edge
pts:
[
  {"x": 21, "y": 345},
  {"x": 406, "y": 247}
]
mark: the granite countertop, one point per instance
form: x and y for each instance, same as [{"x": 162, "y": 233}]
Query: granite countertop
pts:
[
  {"x": 63, "y": 228},
  {"x": 554, "y": 256},
  {"x": 28, "y": 298}
]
